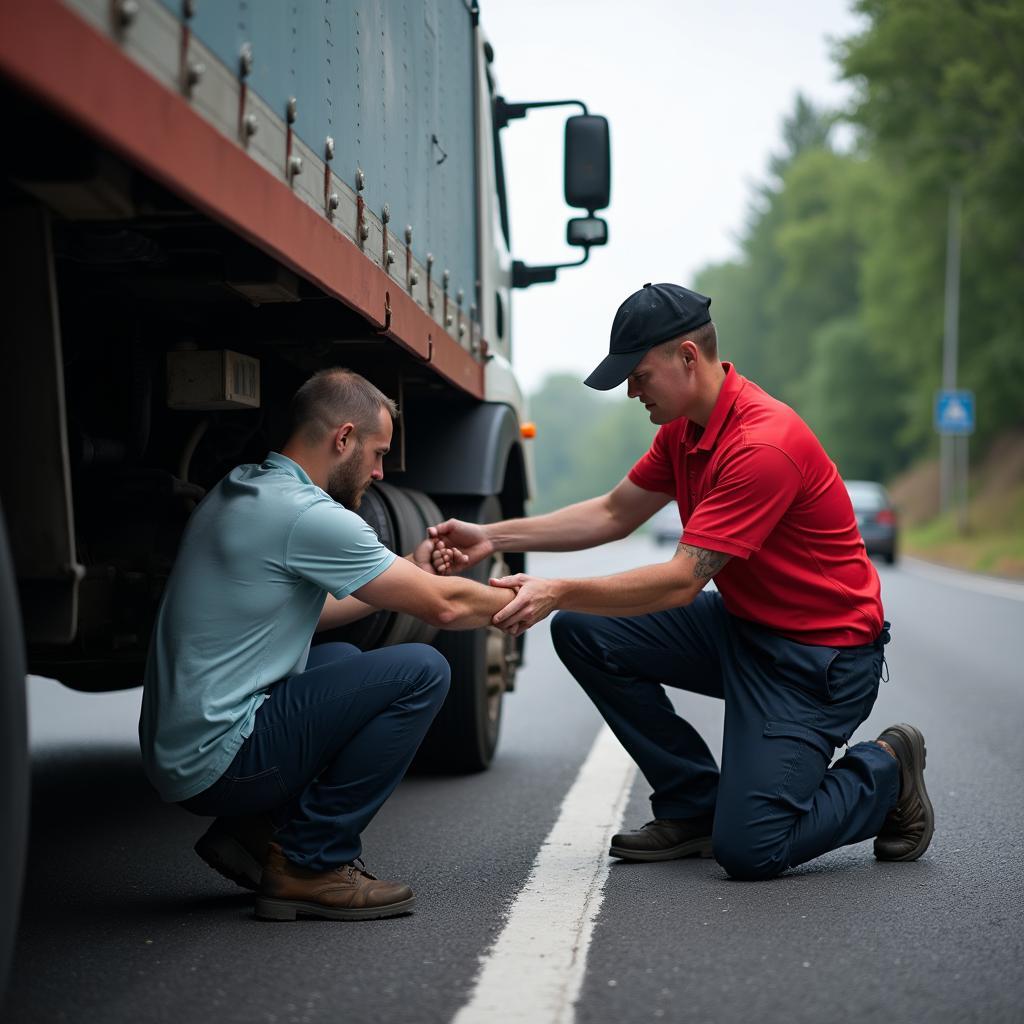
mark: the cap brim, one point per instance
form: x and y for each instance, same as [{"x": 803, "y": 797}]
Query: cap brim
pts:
[{"x": 613, "y": 370}]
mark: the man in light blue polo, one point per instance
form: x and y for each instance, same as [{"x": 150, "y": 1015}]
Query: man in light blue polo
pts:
[{"x": 241, "y": 719}]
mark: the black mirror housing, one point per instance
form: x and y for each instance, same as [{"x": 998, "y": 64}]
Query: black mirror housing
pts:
[
  {"x": 588, "y": 164},
  {"x": 586, "y": 231}
]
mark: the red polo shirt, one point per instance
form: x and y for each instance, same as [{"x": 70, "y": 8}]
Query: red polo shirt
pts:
[{"x": 757, "y": 484}]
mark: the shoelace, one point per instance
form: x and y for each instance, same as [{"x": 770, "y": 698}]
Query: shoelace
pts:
[{"x": 359, "y": 865}]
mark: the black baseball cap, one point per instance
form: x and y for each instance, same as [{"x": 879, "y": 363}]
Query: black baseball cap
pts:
[{"x": 655, "y": 314}]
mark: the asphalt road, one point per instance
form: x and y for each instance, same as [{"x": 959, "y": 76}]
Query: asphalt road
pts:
[{"x": 121, "y": 922}]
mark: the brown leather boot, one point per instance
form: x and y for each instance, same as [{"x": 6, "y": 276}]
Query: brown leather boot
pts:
[
  {"x": 346, "y": 893},
  {"x": 908, "y": 827},
  {"x": 236, "y": 848}
]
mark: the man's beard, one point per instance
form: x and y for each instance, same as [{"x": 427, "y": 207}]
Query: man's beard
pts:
[{"x": 346, "y": 484}]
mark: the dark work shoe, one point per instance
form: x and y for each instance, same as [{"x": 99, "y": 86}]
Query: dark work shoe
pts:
[
  {"x": 345, "y": 893},
  {"x": 665, "y": 839},
  {"x": 237, "y": 848},
  {"x": 908, "y": 827}
]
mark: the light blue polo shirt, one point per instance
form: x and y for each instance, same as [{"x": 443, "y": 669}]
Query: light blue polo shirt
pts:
[{"x": 258, "y": 557}]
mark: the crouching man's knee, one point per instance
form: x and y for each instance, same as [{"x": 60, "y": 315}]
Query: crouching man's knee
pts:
[
  {"x": 746, "y": 860},
  {"x": 434, "y": 671}
]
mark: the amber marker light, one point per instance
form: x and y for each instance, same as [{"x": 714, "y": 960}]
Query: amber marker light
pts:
[{"x": 528, "y": 430}]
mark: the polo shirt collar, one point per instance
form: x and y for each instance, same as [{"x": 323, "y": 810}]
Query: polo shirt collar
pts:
[
  {"x": 731, "y": 387},
  {"x": 279, "y": 461}
]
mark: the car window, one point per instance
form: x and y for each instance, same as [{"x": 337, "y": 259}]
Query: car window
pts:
[{"x": 866, "y": 496}]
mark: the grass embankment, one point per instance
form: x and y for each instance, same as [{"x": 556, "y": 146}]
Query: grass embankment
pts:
[{"x": 994, "y": 541}]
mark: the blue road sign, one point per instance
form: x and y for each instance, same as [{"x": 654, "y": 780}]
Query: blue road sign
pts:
[{"x": 954, "y": 412}]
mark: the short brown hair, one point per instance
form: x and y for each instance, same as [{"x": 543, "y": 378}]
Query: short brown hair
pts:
[
  {"x": 704, "y": 337},
  {"x": 335, "y": 396}
]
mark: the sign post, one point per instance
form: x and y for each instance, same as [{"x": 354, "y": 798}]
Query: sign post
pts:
[
  {"x": 953, "y": 409},
  {"x": 954, "y": 421}
]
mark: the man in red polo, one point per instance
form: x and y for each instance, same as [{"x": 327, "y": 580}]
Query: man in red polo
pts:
[{"x": 792, "y": 639}]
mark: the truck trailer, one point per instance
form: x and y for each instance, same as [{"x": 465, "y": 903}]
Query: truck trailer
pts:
[{"x": 203, "y": 202}]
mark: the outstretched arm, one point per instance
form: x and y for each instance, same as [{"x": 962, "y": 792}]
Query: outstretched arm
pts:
[
  {"x": 651, "y": 588},
  {"x": 584, "y": 525},
  {"x": 451, "y": 602},
  {"x": 350, "y": 609}
]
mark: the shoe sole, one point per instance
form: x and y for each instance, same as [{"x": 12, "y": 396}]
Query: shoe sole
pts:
[
  {"x": 230, "y": 858},
  {"x": 915, "y": 738},
  {"x": 268, "y": 909},
  {"x": 691, "y": 848}
]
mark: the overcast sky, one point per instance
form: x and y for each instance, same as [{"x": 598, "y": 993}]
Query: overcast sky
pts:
[{"x": 696, "y": 93}]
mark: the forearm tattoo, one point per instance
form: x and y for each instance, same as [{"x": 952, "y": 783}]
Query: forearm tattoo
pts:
[{"x": 707, "y": 562}]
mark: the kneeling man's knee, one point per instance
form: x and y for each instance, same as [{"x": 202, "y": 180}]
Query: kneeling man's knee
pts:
[
  {"x": 565, "y": 629},
  {"x": 746, "y": 860}
]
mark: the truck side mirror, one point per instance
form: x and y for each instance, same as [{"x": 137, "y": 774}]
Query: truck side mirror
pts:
[
  {"x": 586, "y": 231},
  {"x": 588, "y": 163},
  {"x": 588, "y": 182}
]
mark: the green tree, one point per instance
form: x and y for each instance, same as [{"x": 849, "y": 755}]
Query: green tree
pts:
[
  {"x": 611, "y": 445},
  {"x": 852, "y": 401},
  {"x": 745, "y": 292},
  {"x": 586, "y": 441},
  {"x": 824, "y": 209},
  {"x": 800, "y": 263},
  {"x": 941, "y": 103}
]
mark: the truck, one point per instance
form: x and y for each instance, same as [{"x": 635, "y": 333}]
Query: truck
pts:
[{"x": 203, "y": 203}]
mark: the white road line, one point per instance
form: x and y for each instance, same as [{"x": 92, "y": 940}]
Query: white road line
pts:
[
  {"x": 534, "y": 970},
  {"x": 966, "y": 580}
]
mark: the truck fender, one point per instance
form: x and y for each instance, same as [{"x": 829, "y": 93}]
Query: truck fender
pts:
[{"x": 463, "y": 450}]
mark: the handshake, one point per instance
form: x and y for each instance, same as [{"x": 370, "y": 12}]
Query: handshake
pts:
[{"x": 454, "y": 546}]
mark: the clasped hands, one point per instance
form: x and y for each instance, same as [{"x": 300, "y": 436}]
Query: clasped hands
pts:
[{"x": 459, "y": 545}]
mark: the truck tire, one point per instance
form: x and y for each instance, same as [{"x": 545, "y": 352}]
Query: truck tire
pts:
[
  {"x": 400, "y": 518},
  {"x": 14, "y": 760},
  {"x": 464, "y": 735},
  {"x": 411, "y": 512},
  {"x": 367, "y": 633}
]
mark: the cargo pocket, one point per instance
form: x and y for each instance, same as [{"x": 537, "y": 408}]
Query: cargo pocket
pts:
[{"x": 803, "y": 756}]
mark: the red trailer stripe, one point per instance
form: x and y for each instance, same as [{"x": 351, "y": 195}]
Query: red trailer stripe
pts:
[{"x": 53, "y": 54}]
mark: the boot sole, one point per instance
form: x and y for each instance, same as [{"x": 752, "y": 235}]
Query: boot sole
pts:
[
  {"x": 915, "y": 738},
  {"x": 269, "y": 909},
  {"x": 691, "y": 848},
  {"x": 230, "y": 858}
]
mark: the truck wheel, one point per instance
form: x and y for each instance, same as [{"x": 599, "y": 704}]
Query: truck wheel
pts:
[
  {"x": 14, "y": 762},
  {"x": 464, "y": 735}
]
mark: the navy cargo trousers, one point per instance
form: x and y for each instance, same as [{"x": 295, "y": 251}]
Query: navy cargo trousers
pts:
[
  {"x": 776, "y": 802},
  {"x": 330, "y": 745}
]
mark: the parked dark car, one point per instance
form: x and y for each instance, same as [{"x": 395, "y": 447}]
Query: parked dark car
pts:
[{"x": 876, "y": 517}]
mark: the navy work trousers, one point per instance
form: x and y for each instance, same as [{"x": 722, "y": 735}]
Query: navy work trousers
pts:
[
  {"x": 329, "y": 746},
  {"x": 776, "y": 802}
]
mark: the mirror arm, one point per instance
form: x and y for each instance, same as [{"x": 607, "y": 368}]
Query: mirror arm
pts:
[
  {"x": 505, "y": 112},
  {"x": 523, "y": 276}
]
